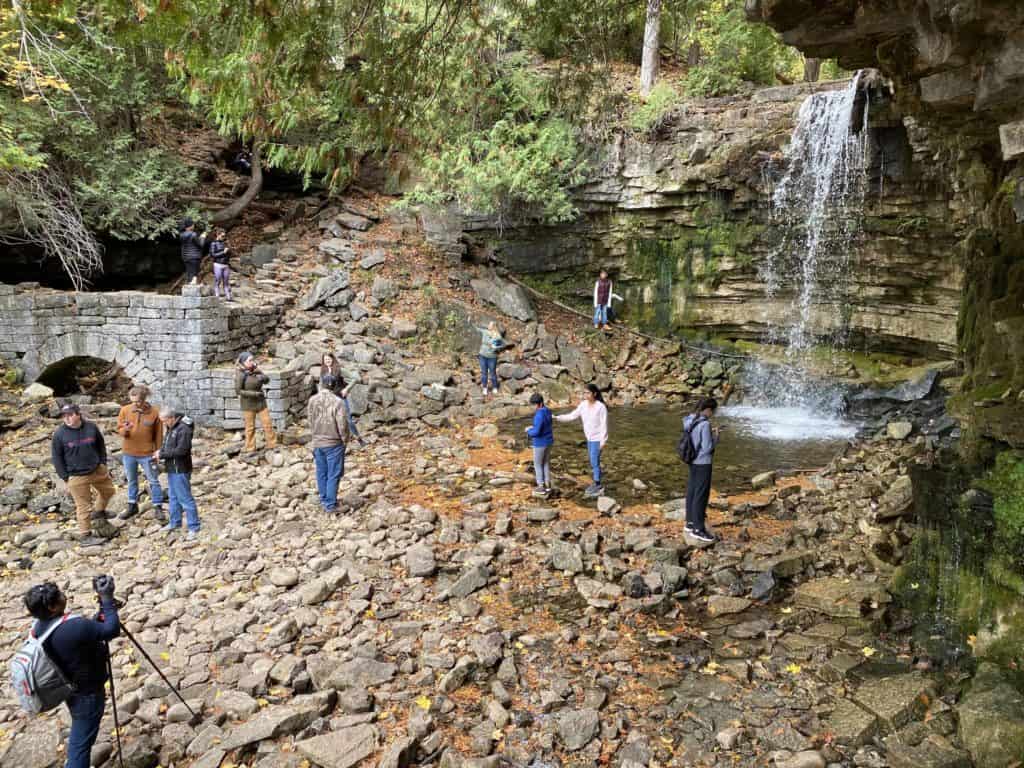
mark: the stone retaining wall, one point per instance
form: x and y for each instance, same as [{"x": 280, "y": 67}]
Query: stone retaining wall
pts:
[{"x": 182, "y": 347}]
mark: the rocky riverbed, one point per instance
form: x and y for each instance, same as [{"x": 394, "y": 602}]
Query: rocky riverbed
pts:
[{"x": 447, "y": 617}]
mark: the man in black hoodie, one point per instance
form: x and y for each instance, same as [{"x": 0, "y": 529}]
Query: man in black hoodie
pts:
[
  {"x": 191, "y": 250},
  {"x": 80, "y": 457},
  {"x": 176, "y": 454}
]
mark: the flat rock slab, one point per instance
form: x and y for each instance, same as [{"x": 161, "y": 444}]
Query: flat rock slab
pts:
[
  {"x": 577, "y": 729},
  {"x": 35, "y": 747},
  {"x": 358, "y": 673},
  {"x": 341, "y": 749},
  {"x": 269, "y": 724},
  {"x": 841, "y": 597},
  {"x": 722, "y": 605},
  {"x": 896, "y": 700},
  {"x": 851, "y": 725},
  {"x": 933, "y": 752}
]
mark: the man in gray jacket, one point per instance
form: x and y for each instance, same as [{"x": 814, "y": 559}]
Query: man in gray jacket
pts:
[
  {"x": 328, "y": 427},
  {"x": 704, "y": 437}
]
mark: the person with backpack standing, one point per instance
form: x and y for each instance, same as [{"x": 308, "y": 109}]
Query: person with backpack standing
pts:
[
  {"x": 697, "y": 449},
  {"x": 249, "y": 383},
  {"x": 220, "y": 253},
  {"x": 492, "y": 341},
  {"x": 176, "y": 454},
  {"x": 79, "y": 456},
  {"x": 139, "y": 425},
  {"x": 77, "y": 647},
  {"x": 543, "y": 438},
  {"x": 594, "y": 415}
]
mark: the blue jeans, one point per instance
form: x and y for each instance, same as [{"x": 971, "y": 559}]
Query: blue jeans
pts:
[
  {"x": 330, "y": 468},
  {"x": 131, "y": 471},
  {"x": 179, "y": 492},
  {"x": 489, "y": 366},
  {"x": 86, "y": 712},
  {"x": 350, "y": 420},
  {"x": 594, "y": 451},
  {"x": 601, "y": 315}
]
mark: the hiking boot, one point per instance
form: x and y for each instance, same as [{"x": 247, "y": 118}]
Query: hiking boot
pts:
[
  {"x": 158, "y": 513},
  {"x": 131, "y": 511},
  {"x": 540, "y": 493},
  {"x": 192, "y": 536},
  {"x": 704, "y": 537},
  {"x": 98, "y": 514},
  {"x": 169, "y": 528},
  {"x": 593, "y": 490}
]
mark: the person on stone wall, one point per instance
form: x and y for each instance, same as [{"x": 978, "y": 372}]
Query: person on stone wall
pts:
[
  {"x": 492, "y": 341},
  {"x": 249, "y": 384},
  {"x": 79, "y": 456},
  {"x": 603, "y": 296},
  {"x": 594, "y": 414},
  {"x": 328, "y": 428},
  {"x": 191, "y": 250},
  {"x": 220, "y": 253},
  {"x": 176, "y": 454},
  {"x": 139, "y": 425}
]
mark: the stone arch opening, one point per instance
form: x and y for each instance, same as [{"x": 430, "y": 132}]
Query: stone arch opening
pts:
[{"x": 86, "y": 375}]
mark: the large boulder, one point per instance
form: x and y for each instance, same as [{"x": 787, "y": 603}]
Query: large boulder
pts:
[
  {"x": 325, "y": 289},
  {"x": 508, "y": 297},
  {"x": 992, "y": 719}
]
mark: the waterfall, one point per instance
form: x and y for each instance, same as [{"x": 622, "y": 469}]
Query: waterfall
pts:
[{"x": 818, "y": 205}]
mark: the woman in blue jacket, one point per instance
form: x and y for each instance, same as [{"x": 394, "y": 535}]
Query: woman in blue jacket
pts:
[{"x": 543, "y": 438}]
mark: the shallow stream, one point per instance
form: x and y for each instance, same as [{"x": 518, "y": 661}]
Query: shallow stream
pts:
[{"x": 642, "y": 445}]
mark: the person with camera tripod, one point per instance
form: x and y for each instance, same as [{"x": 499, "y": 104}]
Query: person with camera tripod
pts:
[{"x": 78, "y": 647}]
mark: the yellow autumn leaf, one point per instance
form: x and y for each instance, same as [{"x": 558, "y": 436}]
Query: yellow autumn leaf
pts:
[
  {"x": 262, "y": 702},
  {"x": 497, "y": 735},
  {"x": 165, "y": 655},
  {"x": 423, "y": 702},
  {"x": 130, "y": 670},
  {"x": 787, "y": 610},
  {"x": 794, "y": 669},
  {"x": 868, "y": 651},
  {"x": 915, "y": 585},
  {"x": 971, "y": 640},
  {"x": 710, "y": 668},
  {"x": 519, "y": 645}
]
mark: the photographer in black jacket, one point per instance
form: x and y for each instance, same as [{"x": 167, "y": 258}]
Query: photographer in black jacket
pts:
[
  {"x": 79, "y": 649},
  {"x": 176, "y": 454}
]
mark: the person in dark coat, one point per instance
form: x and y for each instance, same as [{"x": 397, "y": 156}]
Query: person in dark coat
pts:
[
  {"x": 79, "y": 456},
  {"x": 78, "y": 646},
  {"x": 176, "y": 454},
  {"x": 191, "y": 250}
]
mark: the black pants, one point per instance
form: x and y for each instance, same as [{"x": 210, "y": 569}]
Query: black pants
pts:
[
  {"x": 191, "y": 269},
  {"x": 698, "y": 489}
]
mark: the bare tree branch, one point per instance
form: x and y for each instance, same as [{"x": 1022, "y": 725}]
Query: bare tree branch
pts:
[{"x": 50, "y": 220}]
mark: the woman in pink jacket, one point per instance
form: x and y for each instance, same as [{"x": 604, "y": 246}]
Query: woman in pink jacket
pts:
[{"x": 594, "y": 415}]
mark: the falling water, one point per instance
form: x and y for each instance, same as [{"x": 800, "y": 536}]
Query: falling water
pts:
[{"x": 818, "y": 205}]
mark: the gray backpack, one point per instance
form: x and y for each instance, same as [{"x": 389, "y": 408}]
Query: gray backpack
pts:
[{"x": 37, "y": 680}]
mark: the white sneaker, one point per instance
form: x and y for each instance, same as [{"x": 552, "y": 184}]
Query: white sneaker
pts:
[
  {"x": 169, "y": 528},
  {"x": 486, "y": 392},
  {"x": 191, "y": 535}
]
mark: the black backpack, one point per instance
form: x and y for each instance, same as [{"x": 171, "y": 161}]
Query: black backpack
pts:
[{"x": 685, "y": 448}]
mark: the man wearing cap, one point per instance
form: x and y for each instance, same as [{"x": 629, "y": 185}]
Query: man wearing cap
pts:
[
  {"x": 249, "y": 383},
  {"x": 328, "y": 427},
  {"x": 80, "y": 457}
]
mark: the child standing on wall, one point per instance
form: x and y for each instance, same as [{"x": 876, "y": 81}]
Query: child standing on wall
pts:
[
  {"x": 603, "y": 296},
  {"x": 220, "y": 253}
]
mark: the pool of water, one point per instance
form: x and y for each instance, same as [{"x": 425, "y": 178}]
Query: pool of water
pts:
[{"x": 642, "y": 445}]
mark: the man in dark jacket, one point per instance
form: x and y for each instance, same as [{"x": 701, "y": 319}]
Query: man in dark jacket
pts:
[
  {"x": 249, "y": 383},
  {"x": 80, "y": 457},
  {"x": 79, "y": 649},
  {"x": 191, "y": 250},
  {"x": 176, "y": 454}
]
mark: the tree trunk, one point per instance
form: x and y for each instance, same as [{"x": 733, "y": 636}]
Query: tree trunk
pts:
[
  {"x": 649, "y": 62},
  {"x": 229, "y": 212},
  {"x": 693, "y": 55},
  {"x": 812, "y": 69}
]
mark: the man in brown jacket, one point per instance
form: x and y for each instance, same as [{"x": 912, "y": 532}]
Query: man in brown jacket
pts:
[
  {"x": 249, "y": 383},
  {"x": 328, "y": 427},
  {"x": 139, "y": 424}
]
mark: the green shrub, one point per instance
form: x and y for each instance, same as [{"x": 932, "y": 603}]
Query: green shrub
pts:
[
  {"x": 651, "y": 113},
  {"x": 1005, "y": 481}
]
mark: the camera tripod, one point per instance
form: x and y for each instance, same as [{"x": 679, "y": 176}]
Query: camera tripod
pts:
[{"x": 113, "y": 696}]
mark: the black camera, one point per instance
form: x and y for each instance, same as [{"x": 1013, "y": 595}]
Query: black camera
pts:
[{"x": 103, "y": 583}]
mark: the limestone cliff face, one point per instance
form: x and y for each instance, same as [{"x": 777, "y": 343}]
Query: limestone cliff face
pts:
[
  {"x": 957, "y": 68},
  {"x": 683, "y": 219}
]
